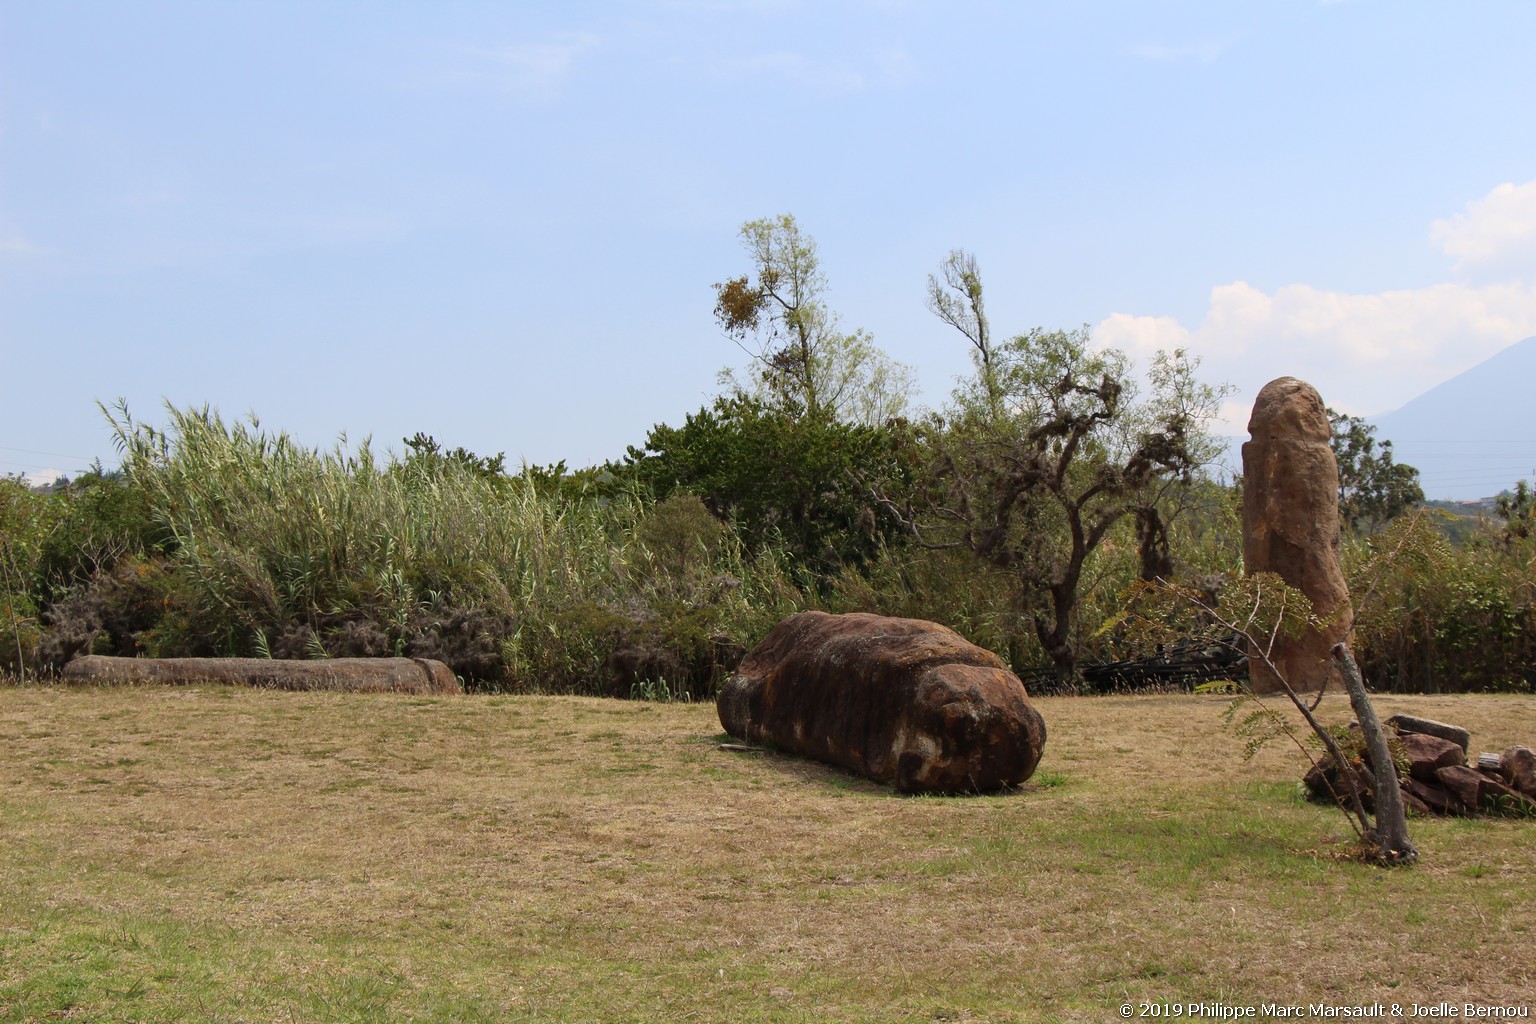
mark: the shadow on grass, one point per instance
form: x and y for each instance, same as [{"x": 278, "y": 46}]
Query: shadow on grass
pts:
[{"x": 841, "y": 781}]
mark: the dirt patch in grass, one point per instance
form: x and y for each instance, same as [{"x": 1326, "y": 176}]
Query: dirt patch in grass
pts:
[{"x": 219, "y": 854}]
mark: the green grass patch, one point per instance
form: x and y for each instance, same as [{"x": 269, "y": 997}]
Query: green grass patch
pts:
[{"x": 213, "y": 856}]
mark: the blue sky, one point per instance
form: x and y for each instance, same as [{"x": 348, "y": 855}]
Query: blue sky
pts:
[{"x": 499, "y": 222}]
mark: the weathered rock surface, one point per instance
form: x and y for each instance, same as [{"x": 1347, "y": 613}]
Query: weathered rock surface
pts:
[
  {"x": 1413, "y": 804},
  {"x": 902, "y": 701},
  {"x": 1438, "y": 800},
  {"x": 1438, "y": 779},
  {"x": 1325, "y": 783},
  {"x": 1519, "y": 766},
  {"x": 1405, "y": 724},
  {"x": 1464, "y": 783},
  {"x": 1499, "y": 798},
  {"x": 1291, "y": 526},
  {"x": 1427, "y": 754},
  {"x": 398, "y": 675}
]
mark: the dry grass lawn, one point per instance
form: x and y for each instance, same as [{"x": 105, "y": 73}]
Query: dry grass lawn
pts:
[{"x": 227, "y": 855}]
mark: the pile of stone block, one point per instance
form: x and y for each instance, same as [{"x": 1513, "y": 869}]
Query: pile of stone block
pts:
[{"x": 1435, "y": 771}]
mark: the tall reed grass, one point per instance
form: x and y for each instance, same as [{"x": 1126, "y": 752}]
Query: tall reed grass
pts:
[{"x": 269, "y": 537}]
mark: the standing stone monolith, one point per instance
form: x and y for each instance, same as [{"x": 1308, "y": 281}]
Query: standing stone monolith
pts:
[{"x": 1291, "y": 527}]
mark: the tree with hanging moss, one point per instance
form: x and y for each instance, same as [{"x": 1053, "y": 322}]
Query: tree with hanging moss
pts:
[
  {"x": 802, "y": 361},
  {"x": 1044, "y": 450}
]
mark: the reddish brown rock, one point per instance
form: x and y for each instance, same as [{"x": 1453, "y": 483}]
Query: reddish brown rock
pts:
[
  {"x": 1405, "y": 724},
  {"x": 1439, "y": 780},
  {"x": 902, "y": 701},
  {"x": 1326, "y": 784},
  {"x": 1436, "y": 799},
  {"x": 1519, "y": 765},
  {"x": 1291, "y": 525},
  {"x": 1498, "y": 798},
  {"x": 1414, "y": 805},
  {"x": 1465, "y": 784},
  {"x": 1427, "y": 754},
  {"x": 398, "y": 675}
]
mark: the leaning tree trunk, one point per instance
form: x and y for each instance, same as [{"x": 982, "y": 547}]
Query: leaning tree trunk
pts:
[
  {"x": 1055, "y": 633},
  {"x": 1391, "y": 832}
]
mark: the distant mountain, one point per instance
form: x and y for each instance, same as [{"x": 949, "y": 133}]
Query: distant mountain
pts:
[{"x": 1474, "y": 435}]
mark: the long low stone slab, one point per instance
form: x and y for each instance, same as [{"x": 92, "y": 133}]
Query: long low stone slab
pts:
[
  {"x": 1429, "y": 727},
  {"x": 353, "y": 675}
]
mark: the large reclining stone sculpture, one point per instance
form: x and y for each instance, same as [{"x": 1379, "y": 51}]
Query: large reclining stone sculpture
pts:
[{"x": 901, "y": 701}]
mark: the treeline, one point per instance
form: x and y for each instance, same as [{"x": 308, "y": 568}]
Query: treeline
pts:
[{"x": 1022, "y": 515}]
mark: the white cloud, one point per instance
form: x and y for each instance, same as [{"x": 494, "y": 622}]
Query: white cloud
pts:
[
  {"x": 15, "y": 244},
  {"x": 1142, "y": 336},
  {"x": 795, "y": 68},
  {"x": 1206, "y": 51},
  {"x": 891, "y": 67},
  {"x": 1366, "y": 354},
  {"x": 1233, "y": 417},
  {"x": 1496, "y": 235},
  {"x": 529, "y": 71}
]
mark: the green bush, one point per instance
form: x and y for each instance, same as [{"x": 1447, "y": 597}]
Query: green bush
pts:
[
  {"x": 1438, "y": 617},
  {"x": 27, "y": 522},
  {"x": 798, "y": 484},
  {"x": 101, "y": 518}
]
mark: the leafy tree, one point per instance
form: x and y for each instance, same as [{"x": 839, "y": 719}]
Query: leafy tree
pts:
[
  {"x": 1518, "y": 510},
  {"x": 957, "y": 300},
  {"x": 554, "y": 480},
  {"x": 58, "y": 540},
  {"x": 1373, "y": 488},
  {"x": 1263, "y": 609},
  {"x": 103, "y": 517},
  {"x": 1045, "y": 450},
  {"x": 426, "y": 451},
  {"x": 802, "y": 361},
  {"x": 779, "y": 479}
]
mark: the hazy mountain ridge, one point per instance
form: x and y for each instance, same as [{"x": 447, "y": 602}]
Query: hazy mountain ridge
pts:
[{"x": 1473, "y": 435}]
